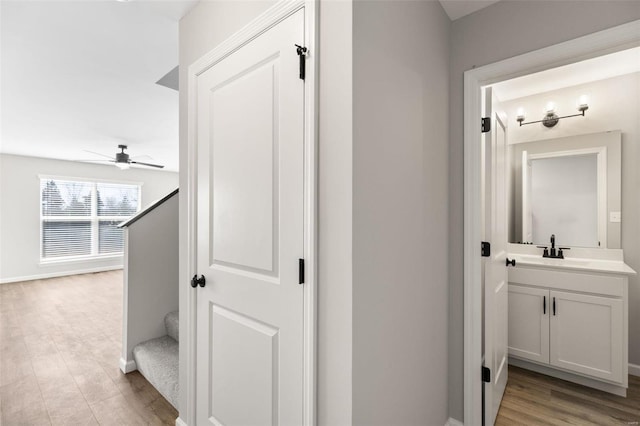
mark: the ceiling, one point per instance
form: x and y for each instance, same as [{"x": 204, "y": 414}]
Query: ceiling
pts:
[
  {"x": 458, "y": 8},
  {"x": 80, "y": 75},
  {"x": 587, "y": 71}
]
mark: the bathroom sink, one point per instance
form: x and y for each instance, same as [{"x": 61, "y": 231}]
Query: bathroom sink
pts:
[{"x": 566, "y": 262}]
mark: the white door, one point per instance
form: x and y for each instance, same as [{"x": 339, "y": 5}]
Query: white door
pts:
[
  {"x": 529, "y": 311},
  {"x": 496, "y": 297},
  {"x": 250, "y": 148},
  {"x": 587, "y": 334}
]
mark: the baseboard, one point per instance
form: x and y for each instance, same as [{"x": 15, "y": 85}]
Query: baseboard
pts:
[
  {"x": 634, "y": 369},
  {"x": 127, "y": 366},
  {"x": 58, "y": 274},
  {"x": 453, "y": 422},
  {"x": 180, "y": 422}
]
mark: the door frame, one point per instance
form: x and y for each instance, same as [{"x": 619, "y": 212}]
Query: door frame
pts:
[
  {"x": 268, "y": 19},
  {"x": 597, "y": 44}
]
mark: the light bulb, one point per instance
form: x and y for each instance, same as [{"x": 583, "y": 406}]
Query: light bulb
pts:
[
  {"x": 550, "y": 108},
  {"x": 583, "y": 103},
  {"x": 520, "y": 114},
  {"x": 123, "y": 166}
]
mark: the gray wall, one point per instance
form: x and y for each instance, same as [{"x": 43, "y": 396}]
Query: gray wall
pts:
[
  {"x": 20, "y": 211},
  {"x": 207, "y": 25},
  {"x": 400, "y": 195},
  {"x": 501, "y": 31}
]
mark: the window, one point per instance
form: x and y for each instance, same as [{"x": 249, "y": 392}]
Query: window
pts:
[{"x": 80, "y": 219}]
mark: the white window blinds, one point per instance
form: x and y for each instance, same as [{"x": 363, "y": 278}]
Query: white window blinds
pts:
[{"x": 79, "y": 219}]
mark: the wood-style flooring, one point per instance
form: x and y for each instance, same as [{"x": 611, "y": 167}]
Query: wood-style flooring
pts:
[
  {"x": 60, "y": 343},
  {"x": 535, "y": 399}
]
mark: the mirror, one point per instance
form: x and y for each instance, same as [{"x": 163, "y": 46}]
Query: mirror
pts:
[{"x": 570, "y": 187}]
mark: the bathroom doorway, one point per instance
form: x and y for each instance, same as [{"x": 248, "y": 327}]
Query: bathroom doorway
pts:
[{"x": 597, "y": 45}]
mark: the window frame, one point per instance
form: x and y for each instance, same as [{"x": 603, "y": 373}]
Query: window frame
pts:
[{"x": 93, "y": 219}]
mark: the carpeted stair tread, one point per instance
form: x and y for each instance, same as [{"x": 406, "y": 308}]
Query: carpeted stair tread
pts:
[
  {"x": 171, "y": 324},
  {"x": 157, "y": 360}
]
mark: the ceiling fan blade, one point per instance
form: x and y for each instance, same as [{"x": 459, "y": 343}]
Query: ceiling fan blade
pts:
[
  {"x": 142, "y": 157},
  {"x": 93, "y": 160},
  {"x": 97, "y": 153},
  {"x": 147, "y": 164}
]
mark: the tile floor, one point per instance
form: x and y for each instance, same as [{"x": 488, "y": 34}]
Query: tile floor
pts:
[{"x": 60, "y": 344}]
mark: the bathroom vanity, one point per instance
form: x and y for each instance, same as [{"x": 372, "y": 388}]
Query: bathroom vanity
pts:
[{"x": 568, "y": 318}]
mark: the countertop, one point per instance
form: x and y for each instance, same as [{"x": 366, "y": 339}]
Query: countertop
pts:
[{"x": 573, "y": 264}]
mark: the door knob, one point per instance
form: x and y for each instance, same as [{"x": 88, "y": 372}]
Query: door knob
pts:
[
  {"x": 195, "y": 281},
  {"x": 511, "y": 262}
]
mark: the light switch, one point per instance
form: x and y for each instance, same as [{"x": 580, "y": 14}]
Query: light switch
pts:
[{"x": 615, "y": 217}]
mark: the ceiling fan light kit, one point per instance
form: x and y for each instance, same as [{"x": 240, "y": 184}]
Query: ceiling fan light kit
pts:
[{"x": 123, "y": 162}]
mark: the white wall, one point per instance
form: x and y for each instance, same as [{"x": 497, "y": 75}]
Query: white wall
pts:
[
  {"x": 400, "y": 194},
  {"x": 501, "y": 31},
  {"x": 150, "y": 276},
  {"x": 20, "y": 211}
]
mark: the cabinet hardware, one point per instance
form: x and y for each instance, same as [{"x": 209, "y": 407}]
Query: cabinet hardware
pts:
[
  {"x": 554, "y": 306},
  {"x": 511, "y": 262},
  {"x": 195, "y": 281},
  {"x": 544, "y": 305}
]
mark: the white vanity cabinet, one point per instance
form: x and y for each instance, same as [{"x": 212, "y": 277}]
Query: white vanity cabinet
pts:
[
  {"x": 572, "y": 325},
  {"x": 529, "y": 323},
  {"x": 586, "y": 335}
]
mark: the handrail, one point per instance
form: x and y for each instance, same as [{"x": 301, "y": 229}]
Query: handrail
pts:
[{"x": 152, "y": 206}]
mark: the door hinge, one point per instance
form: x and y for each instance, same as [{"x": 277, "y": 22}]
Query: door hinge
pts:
[
  {"x": 486, "y": 124},
  {"x": 485, "y": 249},
  {"x": 300, "y": 271},
  {"x": 486, "y": 374},
  {"x": 302, "y": 54}
]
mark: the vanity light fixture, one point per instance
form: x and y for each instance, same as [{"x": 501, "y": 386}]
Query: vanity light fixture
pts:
[{"x": 551, "y": 118}]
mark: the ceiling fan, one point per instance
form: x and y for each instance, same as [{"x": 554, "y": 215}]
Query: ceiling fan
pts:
[{"x": 122, "y": 160}]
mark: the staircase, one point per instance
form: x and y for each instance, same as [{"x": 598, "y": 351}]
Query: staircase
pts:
[{"x": 157, "y": 360}]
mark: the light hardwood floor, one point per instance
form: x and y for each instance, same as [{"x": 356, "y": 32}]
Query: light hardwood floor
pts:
[
  {"x": 60, "y": 344},
  {"x": 536, "y": 399}
]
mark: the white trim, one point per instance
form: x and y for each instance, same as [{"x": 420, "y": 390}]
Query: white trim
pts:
[
  {"x": 89, "y": 179},
  {"x": 127, "y": 366},
  {"x": 58, "y": 274},
  {"x": 78, "y": 259},
  {"x": 596, "y": 44},
  {"x": 262, "y": 23},
  {"x": 634, "y": 369},
  {"x": 453, "y": 422},
  {"x": 180, "y": 422}
]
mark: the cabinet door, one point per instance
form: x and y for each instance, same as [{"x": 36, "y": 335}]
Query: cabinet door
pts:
[
  {"x": 586, "y": 334},
  {"x": 529, "y": 323}
]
